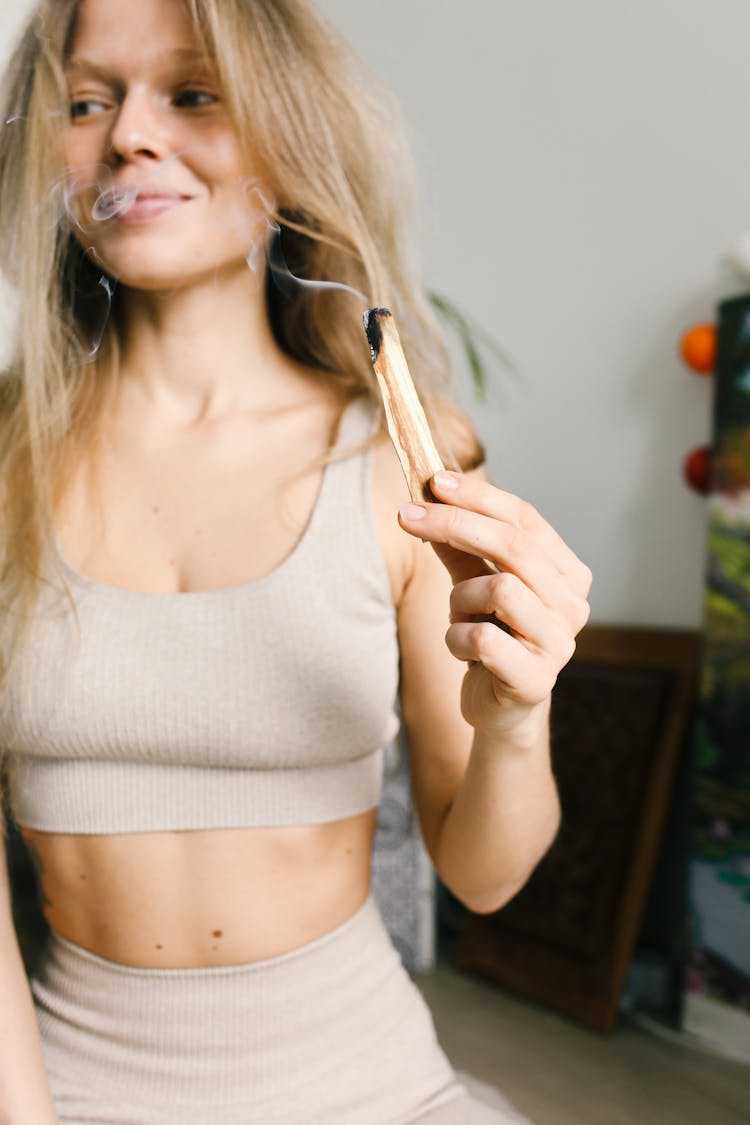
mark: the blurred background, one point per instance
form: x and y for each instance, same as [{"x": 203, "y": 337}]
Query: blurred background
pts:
[{"x": 584, "y": 168}]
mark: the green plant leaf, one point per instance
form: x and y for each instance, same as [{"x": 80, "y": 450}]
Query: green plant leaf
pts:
[{"x": 474, "y": 339}]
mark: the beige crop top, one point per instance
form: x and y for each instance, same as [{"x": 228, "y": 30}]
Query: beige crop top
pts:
[{"x": 262, "y": 704}]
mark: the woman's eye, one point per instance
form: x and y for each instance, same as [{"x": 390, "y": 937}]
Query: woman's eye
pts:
[
  {"x": 85, "y": 107},
  {"x": 194, "y": 99}
]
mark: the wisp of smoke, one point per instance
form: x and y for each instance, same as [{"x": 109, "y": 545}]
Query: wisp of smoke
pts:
[
  {"x": 110, "y": 201},
  {"x": 109, "y": 286},
  {"x": 270, "y": 245},
  {"x": 288, "y": 282},
  {"x": 113, "y": 201}
]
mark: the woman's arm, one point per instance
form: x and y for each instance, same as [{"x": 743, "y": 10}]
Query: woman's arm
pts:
[
  {"x": 24, "y": 1091},
  {"x": 475, "y": 700}
]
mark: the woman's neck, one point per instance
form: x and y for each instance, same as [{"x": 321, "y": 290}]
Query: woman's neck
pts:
[{"x": 200, "y": 353}]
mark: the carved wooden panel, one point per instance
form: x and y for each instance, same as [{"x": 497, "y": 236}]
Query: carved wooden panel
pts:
[{"x": 619, "y": 720}]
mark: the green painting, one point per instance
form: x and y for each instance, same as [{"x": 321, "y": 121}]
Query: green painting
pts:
[{"x": 720, "y": 869}]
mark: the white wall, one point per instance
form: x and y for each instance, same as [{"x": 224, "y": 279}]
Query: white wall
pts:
[
  {"x": 11, "y": 19},
  {"x": 584, "y": 166}
]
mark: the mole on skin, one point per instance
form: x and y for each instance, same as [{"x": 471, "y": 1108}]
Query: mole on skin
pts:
[{"x": 217, "y": 933}]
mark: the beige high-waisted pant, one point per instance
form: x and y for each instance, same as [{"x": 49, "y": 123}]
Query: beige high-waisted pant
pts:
[{"x": 332, "y": 1033}]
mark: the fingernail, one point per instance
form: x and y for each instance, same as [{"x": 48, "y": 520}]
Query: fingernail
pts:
[
  {"x": 446, "y": 482},
  {"x": 410, "y": 513}
]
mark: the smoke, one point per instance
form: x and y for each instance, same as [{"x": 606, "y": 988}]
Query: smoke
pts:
[
  {"x": 108, "y": 285},
  {"x": 288, "y": 282},
  {"x": 113, "y": 202},
  {"x": 270, "y": 247},
  {"x": 91, "y": 196}
]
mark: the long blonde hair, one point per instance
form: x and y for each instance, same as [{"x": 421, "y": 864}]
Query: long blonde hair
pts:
[{"x": 332, "y": 148}]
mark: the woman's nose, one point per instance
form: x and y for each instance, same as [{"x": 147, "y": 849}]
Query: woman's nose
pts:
[{"x": 138, "y": 130}]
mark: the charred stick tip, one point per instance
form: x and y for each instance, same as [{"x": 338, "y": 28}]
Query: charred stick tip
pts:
[
  {"x": 374, "y": 331},
  {"x": 404, "y": 415}
]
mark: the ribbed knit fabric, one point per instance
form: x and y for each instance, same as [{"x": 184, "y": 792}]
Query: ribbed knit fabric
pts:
[
  {"x": 332, "y": 1033},
  {"x": 262, "y": 704}
]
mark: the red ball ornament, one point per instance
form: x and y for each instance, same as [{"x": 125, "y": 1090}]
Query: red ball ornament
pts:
[
  {"x": 697, "y": 469},
  {"x": 698, "y": 348}
]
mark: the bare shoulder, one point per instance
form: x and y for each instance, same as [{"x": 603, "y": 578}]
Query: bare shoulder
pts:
[{"x": 389, "y": 494}]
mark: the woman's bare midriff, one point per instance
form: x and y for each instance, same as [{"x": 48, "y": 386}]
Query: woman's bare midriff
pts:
[
  {"x": 222, "y": 896},
  {"x": 197, "y": 898}
]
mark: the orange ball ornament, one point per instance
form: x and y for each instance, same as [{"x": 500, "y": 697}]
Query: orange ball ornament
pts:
[
  {"x": 697, "y": 468},
  {"x": 698, "y": 348}
]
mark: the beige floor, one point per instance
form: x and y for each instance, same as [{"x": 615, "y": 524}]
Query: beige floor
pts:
[{"x": 559, "y": 1073}]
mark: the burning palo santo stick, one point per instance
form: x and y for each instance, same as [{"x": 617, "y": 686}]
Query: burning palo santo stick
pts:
[{"x": 407, "y": 424}]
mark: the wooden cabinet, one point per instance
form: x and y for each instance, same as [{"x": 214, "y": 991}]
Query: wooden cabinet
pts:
[{"x": 620, "y": 718}]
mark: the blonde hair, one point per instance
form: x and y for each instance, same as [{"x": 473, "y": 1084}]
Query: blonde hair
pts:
[{"x": 333, "y": 153}]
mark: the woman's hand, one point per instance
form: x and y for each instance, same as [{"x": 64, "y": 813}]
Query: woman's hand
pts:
[{"x": 518, "y": 600}]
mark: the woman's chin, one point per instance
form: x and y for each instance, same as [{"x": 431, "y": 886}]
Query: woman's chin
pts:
[{"x": 168, "y": 277}]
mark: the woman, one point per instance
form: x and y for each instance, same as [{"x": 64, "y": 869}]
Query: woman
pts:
[{"x": 210, "y": 605}]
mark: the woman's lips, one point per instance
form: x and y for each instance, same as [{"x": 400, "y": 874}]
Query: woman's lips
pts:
[
  {"x": 135, "y": 204},
  {"x": 147, "y": 207}
]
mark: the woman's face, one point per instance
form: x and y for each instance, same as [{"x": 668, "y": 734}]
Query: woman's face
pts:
[{"x": 155, "y": 180}]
